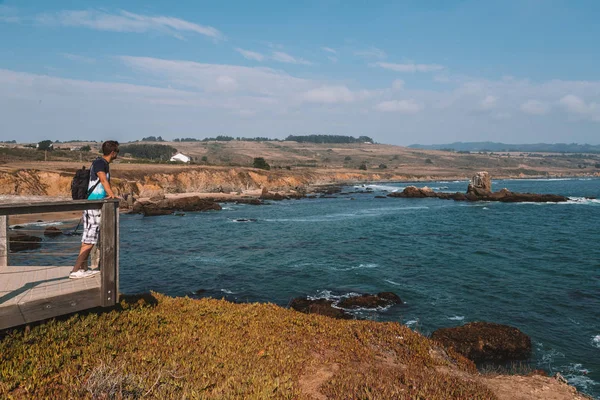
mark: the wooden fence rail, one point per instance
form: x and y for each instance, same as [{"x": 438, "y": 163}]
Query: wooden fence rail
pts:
[{"x": 34, "y": 293}]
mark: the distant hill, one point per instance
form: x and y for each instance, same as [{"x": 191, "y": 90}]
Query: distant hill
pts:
[{"x": 500, "y": 147}]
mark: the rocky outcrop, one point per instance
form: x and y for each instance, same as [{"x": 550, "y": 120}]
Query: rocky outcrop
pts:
[
  {"x": 480, "y": 190},
  {"x": 52, "y": 231},
  {"x": 23, "y": 242},
  {"x": 383, "y": 299},
  {"x": 481, "y": 184},
  {"x": 168, "y": 206},
  {"x": 318, "y": 306},
  {"x": 334, "y": 308},
  {"x": 485, "y": 341}
]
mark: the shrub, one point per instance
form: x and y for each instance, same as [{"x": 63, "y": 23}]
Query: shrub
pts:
[
  {"x": 428, "y": 161},
  {"x": 347, "y": 158},
  {"x": 363, "y": 166},
  {"x": 259, "y": 162},
  {"x": 45, "y": 145},
  {"x": 86, "y": 148},
  {"x": 382, "y": 166},
  {"x": 149, "y": 151}
]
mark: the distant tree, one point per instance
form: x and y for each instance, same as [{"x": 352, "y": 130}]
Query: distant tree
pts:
[
  {"x": 152, "y": 139},
  {"x": 259, "y": 162},
  {"x": 45, "y": 145},
  {"x": 328, "y": 139},
  {"x": 86, "y": 148},
  {"x": 149, "y": 151},
  {"x": 428, "y": 161},
  {"x": 382, "y": 166},
  {"x": 347, "y": 158},
  {"x": 204, "y": 159},
  {"x": 363, "y": 166}
]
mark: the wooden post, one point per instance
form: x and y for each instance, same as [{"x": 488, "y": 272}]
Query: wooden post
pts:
[
  {"x": 109, "y": 253},
  {"x": 4, "y": 241}
]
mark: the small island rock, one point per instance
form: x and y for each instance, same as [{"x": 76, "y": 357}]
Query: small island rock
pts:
[{"x": 486, "y": 341}]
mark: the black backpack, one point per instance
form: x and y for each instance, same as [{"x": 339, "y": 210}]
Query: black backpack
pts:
[{"x": 80, "y": 183}]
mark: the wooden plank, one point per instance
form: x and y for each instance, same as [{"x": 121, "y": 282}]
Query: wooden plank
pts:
[
  {"x": 61, "y": 304},
  {"x": 108, "y": 255},
  {"x": 10, "y": 316},
  {"x": 56, "y": 206},
  {"x": 3, "y": 241}
]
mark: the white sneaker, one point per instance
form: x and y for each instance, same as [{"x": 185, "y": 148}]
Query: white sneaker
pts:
[
  {"x": 78, "y": 274},
  {"x": 92, "y": 272}
]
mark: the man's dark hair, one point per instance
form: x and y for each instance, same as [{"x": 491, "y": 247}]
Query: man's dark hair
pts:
[{"x": 109, "y": 146}]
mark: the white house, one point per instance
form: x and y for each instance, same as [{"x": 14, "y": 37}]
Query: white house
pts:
[{"x": 180, "y": 157}]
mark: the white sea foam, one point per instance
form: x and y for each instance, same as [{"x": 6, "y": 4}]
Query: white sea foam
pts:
[
  {"x": 360, "y": 266},
  {"x": 596, "y": 341},
  {"x": 388, "y": 188},
  {"x": 392, "y": 282},
  {"x": 577, "y": 376},
  {"x": 583, "y": 201},
  {"x": 457, "y": 318},
  {"x": 485, "y": 208},
  {"x": 411, "y": 322},
  {"x": 46, "y": 223},
  {"x": 226, "y": 291}
]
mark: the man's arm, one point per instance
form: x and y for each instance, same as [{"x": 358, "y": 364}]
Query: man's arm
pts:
[{"x": 104, "y": 181}]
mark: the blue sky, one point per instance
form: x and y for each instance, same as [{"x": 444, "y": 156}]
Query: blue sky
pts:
[{"x": 401, "y": 72}]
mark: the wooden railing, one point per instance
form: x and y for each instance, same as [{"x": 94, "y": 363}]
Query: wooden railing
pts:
[{"x": 57, "y": 300}]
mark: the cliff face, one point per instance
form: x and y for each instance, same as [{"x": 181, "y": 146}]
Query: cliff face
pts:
[{"x": 209, "y": 180}]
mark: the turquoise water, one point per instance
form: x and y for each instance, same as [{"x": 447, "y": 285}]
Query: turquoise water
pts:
[{"x": 533, "y": 266}]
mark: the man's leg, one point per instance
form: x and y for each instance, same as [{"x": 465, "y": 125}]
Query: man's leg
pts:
[{"x": 82, "y": 260}]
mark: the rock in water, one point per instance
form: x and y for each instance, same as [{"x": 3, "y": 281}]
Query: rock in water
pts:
[
  {"x": 52, "y": 231},
  {"x": 481, "y": 184},
  {"x": 22, "y": 242},
  {"x": 383, "y": 299},
  {"x": 486, "y": 341},
  {"x": 318, "y": 306}
]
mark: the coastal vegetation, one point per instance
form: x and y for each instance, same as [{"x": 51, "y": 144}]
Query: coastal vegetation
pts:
[
  {"x": 154, "y": 346},
  {"x": 149, "y": 151}
]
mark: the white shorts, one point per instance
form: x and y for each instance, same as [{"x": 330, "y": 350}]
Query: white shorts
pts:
[{"x": 91, "y": 226}]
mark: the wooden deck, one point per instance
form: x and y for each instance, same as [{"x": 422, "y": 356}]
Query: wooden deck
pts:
[{"x": 29, "y": 294}]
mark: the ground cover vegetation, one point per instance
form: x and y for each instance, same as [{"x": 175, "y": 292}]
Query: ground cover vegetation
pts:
[{"x": 159, "y": 347}]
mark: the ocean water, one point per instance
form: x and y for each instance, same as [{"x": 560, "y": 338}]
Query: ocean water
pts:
[{"x": 532, "y": 266}]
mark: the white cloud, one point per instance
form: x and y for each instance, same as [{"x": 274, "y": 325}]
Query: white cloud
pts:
[
  {"x": 371, "y": 52},
  {"x": 398, "y": 84},
  {"x": 329, "y": 95},
  {"x": 250, "y": 55},
  {"x": 399, "y": 106},
  {"x": 188, "y": 74},
  {"x": 329, "y": 50},
  {"x": 332, "y": 59},
  {"x": 489, "y": 102},
  {"x": 576, "y": 105},
  {"x": 78, "y": 58},
  {"x": 534, "y": 107},
  {"x": 409, "y": 67},
  {"x": 125, "y": 21},
  {"x": 288, "y": 59}
]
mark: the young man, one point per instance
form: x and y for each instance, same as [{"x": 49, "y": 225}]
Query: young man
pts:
[{"x": 98, "y": 189}]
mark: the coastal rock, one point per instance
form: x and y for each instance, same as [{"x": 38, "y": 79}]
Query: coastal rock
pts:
[
  {"x": 486, "y": 341},
  {"x": 480, "y": 190},
  {"x": 23, "y": 242},
  {"x": 52, "y": 231},
  {"x": 383, "y": 299},
  {"x": 481, "y": 184},
  {"x": 414, "y": 192},
  {"x": 318, "y": 306},
  {"x": 168, "y": 206}
]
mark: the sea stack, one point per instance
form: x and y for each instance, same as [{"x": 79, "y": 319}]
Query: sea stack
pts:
[{"x": 481, "y": 184}]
